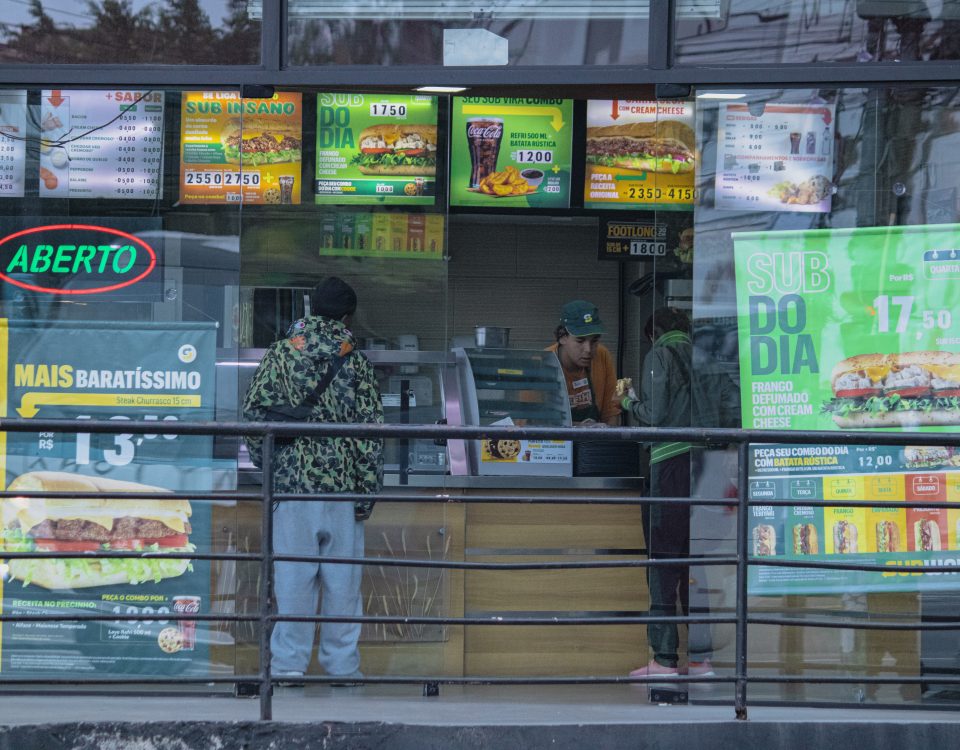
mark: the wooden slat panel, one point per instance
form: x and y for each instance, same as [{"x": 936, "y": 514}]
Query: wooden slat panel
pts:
[{"x": 553, "y": 527}]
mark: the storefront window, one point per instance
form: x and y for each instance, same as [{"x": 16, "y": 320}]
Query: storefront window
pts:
[
  {"x": 793, "y": 32},
  {"x": 168, "y": 32},
  {"x": 464, "y": 34}
]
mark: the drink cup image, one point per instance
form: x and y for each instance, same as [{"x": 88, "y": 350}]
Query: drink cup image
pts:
[
  {"x": 187, "y": 605},
  {"x": 419, "y": 183},
  {"x": 286, "y": 189},
  {"x": 483, "y": 139},
  {"x": 795, "y": 143}
]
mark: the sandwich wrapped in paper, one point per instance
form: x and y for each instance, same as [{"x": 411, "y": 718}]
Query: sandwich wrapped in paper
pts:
[
  {"x": 911, "y": 389},
  {"x": 89, "y": 525}
]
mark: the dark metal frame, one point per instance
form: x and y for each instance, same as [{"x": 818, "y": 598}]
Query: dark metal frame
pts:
[
  {"x": 660, "y": 69},
  {"x": 267, "y": 497}
]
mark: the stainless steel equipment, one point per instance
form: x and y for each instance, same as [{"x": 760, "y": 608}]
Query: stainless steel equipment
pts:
[{"x": 495, "y": 337}]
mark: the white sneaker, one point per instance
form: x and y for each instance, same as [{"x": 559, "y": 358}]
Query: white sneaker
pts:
[
  {"x": 347, "y": 680},
  {"x": 289, "y": 678}
]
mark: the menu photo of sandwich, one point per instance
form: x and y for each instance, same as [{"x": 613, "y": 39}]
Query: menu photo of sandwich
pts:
[
  {"x": 664, "y": 146},
  {"x": 845, "y": 538},
  {"x": 397, "y": 148},
  {"x": 764, "y": 540},
  {"x": 888, "y": 537},
  {"x": 908, "y": 389},
  {"x": 926, "y": 535},
  {"x": 254, "y": 141},
  {"x": 88, "y": 525},
  {"x": 806, "y": 540}
]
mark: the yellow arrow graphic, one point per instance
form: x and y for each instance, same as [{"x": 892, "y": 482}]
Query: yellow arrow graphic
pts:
[
  {"x": 30, "y": 403},
  {"x": 553, "y": 112}
]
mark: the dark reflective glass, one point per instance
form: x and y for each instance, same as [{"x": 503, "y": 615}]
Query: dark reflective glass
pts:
[
  {"x": 805, "y": 32},
  {"x": 168, "y": 32}
]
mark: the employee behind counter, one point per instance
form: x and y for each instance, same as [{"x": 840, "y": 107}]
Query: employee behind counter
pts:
[{"x": 587, "y": 365}]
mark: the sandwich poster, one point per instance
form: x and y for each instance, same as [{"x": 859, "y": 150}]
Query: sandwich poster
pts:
[
  {"x": 235, "y": 150},
  {"x": 124, "y": 372},
  {"x": 101, "y": 144},
  {"x": 511, "y": 153},
  {"x": 778, "y": 159},
  {"x": 850, "y": 328},
  {"x": 925, "y": 539},
  {"x": 640, "y": 154},
  {"x": 376, "y": 149}
]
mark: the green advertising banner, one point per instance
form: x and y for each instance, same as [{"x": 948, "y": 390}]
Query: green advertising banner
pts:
[
  {"x": 120, "y": 371},
  {"x": 376, "y": 149},
  {"x": 513, "y": 153},
  {"x": 852, "y": 329}
]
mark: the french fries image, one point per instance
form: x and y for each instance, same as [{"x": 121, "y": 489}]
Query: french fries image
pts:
[{"x": 505, "y": 183}]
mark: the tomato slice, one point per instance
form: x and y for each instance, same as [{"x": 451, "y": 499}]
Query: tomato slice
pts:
[
  {"x": 65, "y": 545},
  {"x": 858, "y": 393},
  {"x": 174, "y": 540},
  {"x": 376, "y": 150},
  {"x": 911, "y": 392},
  {"x": 947, "y": 392}
]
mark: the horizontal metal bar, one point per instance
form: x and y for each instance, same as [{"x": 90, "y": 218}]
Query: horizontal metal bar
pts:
[
  {"x": 853, "y": 624},
  {"x": 457, "y": 565},
  {"x": 509, "y": 621},
  {"x": 898, "y": 568}
]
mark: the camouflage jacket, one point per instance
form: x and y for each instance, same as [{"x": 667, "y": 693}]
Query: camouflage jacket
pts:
[{"x": 288, "y": 374}]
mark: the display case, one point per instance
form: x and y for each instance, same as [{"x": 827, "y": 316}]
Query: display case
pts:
[{"x": 521, "y": 388}]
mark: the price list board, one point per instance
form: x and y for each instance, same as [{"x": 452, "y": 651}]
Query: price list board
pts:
[
  {"x": 101, "y": 144},
  {"x": 779, "y": 158},
  {"x": 13, "y": 147}
]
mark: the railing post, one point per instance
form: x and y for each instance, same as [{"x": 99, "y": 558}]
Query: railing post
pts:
[
  {"x": 743, "y": 524},
  {"x": 266, "y": 578}
]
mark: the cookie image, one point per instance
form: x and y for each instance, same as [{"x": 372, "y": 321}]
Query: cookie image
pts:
[
  {"x": 271, "y": 195},
  {"x": 170, "y": 640},
  {"x": 410, "y": 189},
  {"x": 503, "y": 449}
]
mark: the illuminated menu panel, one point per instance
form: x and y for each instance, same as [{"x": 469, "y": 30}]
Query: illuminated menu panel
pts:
[
  {"x": 13, "y": 151},
  {"x": 101, "y": 144}
]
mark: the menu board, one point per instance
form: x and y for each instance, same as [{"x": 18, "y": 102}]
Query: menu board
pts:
[
  {"x": 778, "y": 160},
  {"x": 235, "y": 150},
  {"x": 376, "y": 149},
  {"x": 640, "y": 154},
  {"x": 508, "y": 152},
  {"x": 926, "y": 539},
  {"x": 364, "y": 234},
  {"x": 850, "y": 328},
  {"x": 101, "y": 144},
  {"x": 158, "y": 372},
  {"x": 13, "y": 146}
]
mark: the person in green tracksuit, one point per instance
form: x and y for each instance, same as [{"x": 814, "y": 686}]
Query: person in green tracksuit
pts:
[{"x": 666, "y": 401}]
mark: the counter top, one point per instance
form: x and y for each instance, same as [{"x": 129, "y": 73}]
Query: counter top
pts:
[{"x": 416, "y": 481}]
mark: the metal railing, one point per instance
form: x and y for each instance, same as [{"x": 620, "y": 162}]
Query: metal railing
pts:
[{"x": 266, "y": 617}]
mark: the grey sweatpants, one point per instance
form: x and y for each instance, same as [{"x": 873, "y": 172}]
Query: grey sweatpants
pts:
[{"x": 321, "y": 528}]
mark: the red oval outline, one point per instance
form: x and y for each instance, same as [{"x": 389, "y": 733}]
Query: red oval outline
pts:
[{"x": 84, "y": 227}]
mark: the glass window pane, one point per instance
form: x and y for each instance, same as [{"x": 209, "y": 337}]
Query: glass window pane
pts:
[
  {"x": 168, "y": 32},
  {"x": 790, "y": 32},
  {"x": 432, "y": 32}
]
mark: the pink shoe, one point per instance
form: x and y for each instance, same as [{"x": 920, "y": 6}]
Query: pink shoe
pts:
[
  {"x": 655, "y": 669},
  {"x": 701, "y": 669}
]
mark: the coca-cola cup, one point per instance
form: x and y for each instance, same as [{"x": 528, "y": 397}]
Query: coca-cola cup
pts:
[
  {"x": 187, "y": 605},
  {"x": 483, "y": 138}
]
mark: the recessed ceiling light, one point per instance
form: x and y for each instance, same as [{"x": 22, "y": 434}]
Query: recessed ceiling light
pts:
[
  {"x": 442, "y": 89},
  {"x": 720, "y": 95}
]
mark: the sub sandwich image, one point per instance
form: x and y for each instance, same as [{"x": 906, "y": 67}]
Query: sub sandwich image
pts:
[
  {"x": 254, "y": 141},
  {"x": 805, "y": 539},
  {"x": 397, "y": 149},
  {"x": 764, "y": 540},
  {"x": 926, "y": 536},
  {"x": 665, "y": 146},
  {"x": 845, "y": 538},
  {"x": 888, "y": 537},
  {"x": 911, "y": 389},
  {"x": 86, "y": 525}
]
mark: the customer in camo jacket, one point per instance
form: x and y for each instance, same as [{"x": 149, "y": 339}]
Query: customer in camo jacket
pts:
[{"x": 285, "y": 387}]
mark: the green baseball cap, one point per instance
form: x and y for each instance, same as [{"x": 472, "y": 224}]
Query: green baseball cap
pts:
[{"x": 581, "y": 318}]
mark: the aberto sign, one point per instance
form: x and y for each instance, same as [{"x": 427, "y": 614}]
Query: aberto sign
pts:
[{"x": 74, "y": 259}]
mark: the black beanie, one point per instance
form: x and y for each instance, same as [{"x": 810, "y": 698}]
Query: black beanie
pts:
[{"x": 333, "y": 298}]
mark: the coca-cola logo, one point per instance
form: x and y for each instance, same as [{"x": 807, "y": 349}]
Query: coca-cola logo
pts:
[{"x": 485, "y": 131}]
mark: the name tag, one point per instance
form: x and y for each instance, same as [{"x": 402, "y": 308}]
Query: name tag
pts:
[{"x": 582, "y": 383}]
